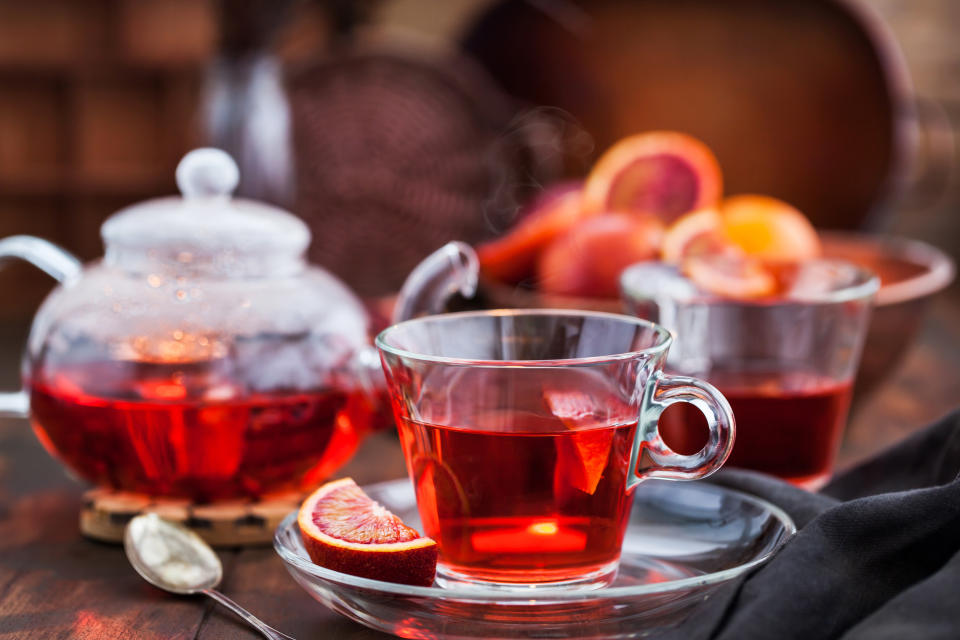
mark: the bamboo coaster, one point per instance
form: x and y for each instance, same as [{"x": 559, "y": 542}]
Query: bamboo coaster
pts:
[{"x": 106, "y": 513}]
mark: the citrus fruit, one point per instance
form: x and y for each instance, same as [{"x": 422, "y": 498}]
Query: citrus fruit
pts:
[
  {"x": 513, "y": 257},
  {"x": 731, "y": 276},
  {"x": 814, "y": 279},
  {"x": 582, "y": 455},
  {"x": 694, "y": 233},
  {"x": 769, "y": 229},
  {"x": 344, "y": 530},
  {"x": 662, "y": 173},
  {"x": 588, "y": 259}
]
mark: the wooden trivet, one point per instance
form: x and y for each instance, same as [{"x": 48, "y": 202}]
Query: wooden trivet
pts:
[{"x": 106, "y": 513}]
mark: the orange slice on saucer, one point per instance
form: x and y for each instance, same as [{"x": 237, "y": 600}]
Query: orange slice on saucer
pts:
[{"x": 344, "y": 530}]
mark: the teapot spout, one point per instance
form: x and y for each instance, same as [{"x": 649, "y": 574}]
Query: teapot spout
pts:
[{"x": 451, "y": 269}]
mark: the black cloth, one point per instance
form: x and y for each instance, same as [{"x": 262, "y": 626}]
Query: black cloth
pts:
[{"x": 876, "y": 557}]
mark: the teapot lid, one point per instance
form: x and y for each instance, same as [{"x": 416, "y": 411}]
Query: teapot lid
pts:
[{"x": 206, "y": 230}]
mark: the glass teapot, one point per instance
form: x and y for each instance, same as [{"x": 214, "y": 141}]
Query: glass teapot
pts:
[{"x": 202, "y": 357}]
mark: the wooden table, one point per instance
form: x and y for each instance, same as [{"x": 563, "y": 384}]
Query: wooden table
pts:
[{"x": 56, "y": 584}]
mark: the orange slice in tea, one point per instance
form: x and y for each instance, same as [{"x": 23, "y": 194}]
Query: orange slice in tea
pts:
[
  {"x": 344, "y": 530},
  {"x": 581, "y": 456},
  {"x": 662, "y": 173},
  {"x": 513, "y": 257},
  {"x": 769, "y": 229},
  {"x": 588, "y": 259},
  {"x": 731, "y": 276}
]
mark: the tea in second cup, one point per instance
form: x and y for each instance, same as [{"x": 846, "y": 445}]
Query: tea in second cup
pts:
[{"x": 526, "y": 432}]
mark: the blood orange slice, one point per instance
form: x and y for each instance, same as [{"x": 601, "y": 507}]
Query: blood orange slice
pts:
[
  {"x": 344, "y": 530},
  {"x": 582, "y": 455},
  {"x": 513, "y": 257},
  {"x": 695, "y": 233},
  {"x": 731, "y": 276},
  {"x": 663, "y": 173},
  {"x": 769, "y": 229}
]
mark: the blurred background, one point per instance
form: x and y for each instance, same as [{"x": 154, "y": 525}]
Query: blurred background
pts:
[
  {"x": 392, "y": 126},
  {"x": 372, "y": 116}
]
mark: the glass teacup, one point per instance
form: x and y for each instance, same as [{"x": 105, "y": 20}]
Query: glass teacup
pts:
[
  {"x": 526, "y": 432},
  {"x": 786, "y": 364}
]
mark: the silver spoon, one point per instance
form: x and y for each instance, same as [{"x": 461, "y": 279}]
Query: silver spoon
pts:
[{"x": 175, "y": 559}]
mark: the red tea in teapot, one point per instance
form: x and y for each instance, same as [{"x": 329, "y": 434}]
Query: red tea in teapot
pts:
[
  {"x": 203, "y": 356},
  {"x": 187, "y": 430}
]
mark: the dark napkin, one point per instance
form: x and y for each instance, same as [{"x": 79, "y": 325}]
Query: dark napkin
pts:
[{"x": 877, "y": 554}]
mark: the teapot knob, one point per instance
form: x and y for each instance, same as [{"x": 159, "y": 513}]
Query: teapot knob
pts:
[{"x": 206, "y": 173}]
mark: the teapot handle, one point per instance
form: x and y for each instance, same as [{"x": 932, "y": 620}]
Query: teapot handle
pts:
[
  {"x": 453, "y": 268},
  {"x": 52, "y": 260}
]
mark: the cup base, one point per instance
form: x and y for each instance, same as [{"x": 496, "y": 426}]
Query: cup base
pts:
[{"x": 597, "y": 578}]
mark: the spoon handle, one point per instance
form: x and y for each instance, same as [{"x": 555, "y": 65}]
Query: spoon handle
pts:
[{"x": 249, "y": 618}]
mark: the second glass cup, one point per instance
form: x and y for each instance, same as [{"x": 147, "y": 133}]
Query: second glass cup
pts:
[
  {"x": 786, "y": 364},
  {"x": 526, "y": 432}
]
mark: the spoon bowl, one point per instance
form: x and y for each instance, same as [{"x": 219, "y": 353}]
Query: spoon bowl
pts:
[
  {"x": 173, "y": 558},
  {"x": 170, "y": 556}
]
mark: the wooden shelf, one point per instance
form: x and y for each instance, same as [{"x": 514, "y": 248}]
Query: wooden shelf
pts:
[
  {"x": 97, "y": 105},
  {"x": 98, "y": 102}
]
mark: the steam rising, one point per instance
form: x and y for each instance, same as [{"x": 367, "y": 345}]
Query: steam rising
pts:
[{"x": 539, "y": 146}]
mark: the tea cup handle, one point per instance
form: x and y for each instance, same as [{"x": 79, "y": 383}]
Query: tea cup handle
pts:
[
  {"x": 58, "y": 264},
  {"x": 650, "y": 450},
  {"x": 451, "y": 269}
]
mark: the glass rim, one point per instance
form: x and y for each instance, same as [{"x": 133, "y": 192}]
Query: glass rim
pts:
[
  {"x": 867, "y": 285},
  {"x": 663, "y": 341}
]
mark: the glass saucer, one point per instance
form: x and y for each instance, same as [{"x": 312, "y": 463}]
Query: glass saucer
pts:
[{"x": 684, "y": 540}]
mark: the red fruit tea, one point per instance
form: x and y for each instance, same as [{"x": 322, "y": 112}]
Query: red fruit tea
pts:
[
  {"x": 788, "y": 424},
  {"x": 183, "y": 430},
  {"x": 523, "y": 496}
]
